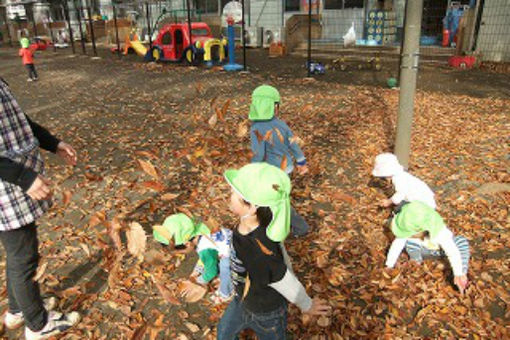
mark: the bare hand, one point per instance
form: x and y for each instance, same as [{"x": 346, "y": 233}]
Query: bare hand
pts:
[
  {"x": 461, "y": 282},
  {"x": 40, "y": 189},
  {"x": 302, "y": 169},
  {"x": 67, "y": 153},
  {"x": 319, "y": 307},
  {"x": 385, "y": 203}
]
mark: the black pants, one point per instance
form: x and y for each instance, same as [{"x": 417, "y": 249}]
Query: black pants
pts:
[
  {"x": 32, "y": 74},
  {"x": 21, "y": 246}
]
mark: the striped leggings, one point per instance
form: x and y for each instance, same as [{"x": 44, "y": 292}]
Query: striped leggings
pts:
[{"x": 418, "y": 253}]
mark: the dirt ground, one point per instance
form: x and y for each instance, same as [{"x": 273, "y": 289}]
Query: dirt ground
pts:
[{"x": 118, "y": 112}]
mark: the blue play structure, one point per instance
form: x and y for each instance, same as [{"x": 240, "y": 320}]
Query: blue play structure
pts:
[{"x": 231, "y": 65}]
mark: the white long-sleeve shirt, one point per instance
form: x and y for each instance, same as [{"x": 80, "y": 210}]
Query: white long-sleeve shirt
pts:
[
  {"x": 444, "y": 240},
  {"x": 411, "y": 188}
]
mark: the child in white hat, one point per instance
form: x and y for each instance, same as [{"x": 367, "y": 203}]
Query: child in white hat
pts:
[{"x": 407, "y": 187}]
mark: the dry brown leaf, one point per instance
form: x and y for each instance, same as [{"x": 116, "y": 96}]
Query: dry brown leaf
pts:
[
  {"x": 167, "y": 295},
  {"x": 268, "y": 137},
  {"x": 148, "y": 168},
  {"x": 213, "y": 120},
  {"x": 136, "y": 239},
  {"x": 224, "y": 109},
  {"x": 192, "y": 327},
  {"x": 169, "y": 196},
  {"x": 97, "y": 218},
  {"x": 324, "y": 321},
  {"x": 147, "y": 154},
  {"x": 283, "y": 164},
  {"x": 191, "y": 292},
  {"x": 40, "y": 271},
  {"x": 242, "y": 130},
  {"x": 85, "y": 249},
  {"x": 280, "y": 136},
  {"x": 182, "y": 336},
  {"x": 154, "y": 185},
  {"x": 66, "y": 197},
  {"x": 260, "y": 138},
  {"x": 140, "y": 332}
]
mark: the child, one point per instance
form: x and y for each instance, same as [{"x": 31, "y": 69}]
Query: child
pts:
[
  {"x": 273, "y": 142},
  {"x": 25, "y": 194},
  {"x": 210, "y": 248},
  {"x": 263, "y": 282},
  {"x": 422, "y": 232},
  {"x": 27, "y": 56},
  {"x": 407, "y": 187}
]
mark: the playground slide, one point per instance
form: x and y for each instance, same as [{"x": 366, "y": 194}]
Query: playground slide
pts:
[{"x": 139, "y": 48}]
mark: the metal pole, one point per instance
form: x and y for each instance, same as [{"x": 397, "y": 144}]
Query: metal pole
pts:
[
  {"x": 402, "y": 43},
  {"x": 116, "y": 29},
  {"x": 78, "y": 16},
  {"x": 91, "y": 24},
  {"x": 309, "y": 38},
  {"x": 33, "y": 20},
  {"x": 189, "y": 22},
  {"x": 408, "y": 75},
  {"x": 244, "y": 36},
  {"x": 51, "y": 33},
  {"x": 148, "y": 24},
  {"x": 68, "y": 19},
  {"x": 7, "y": 27}
]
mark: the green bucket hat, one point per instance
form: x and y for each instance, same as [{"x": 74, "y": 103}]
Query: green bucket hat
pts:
[
  {"x": 414, "y": 218},
  {"x": 24, "y": 42},
  {"x": 262, "y": 103},
  {"x": 265, "y": 185},
  {"x": 181, "y": 228}
]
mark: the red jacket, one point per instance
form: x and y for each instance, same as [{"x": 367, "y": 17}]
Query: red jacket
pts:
[{"x": 27, "y": 55}]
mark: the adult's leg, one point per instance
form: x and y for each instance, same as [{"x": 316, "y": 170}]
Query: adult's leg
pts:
[
  {"x": 232, "y": 322},
  {"x": 21, "y": 247}
]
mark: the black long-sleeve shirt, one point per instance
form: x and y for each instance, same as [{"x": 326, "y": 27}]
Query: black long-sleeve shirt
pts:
[{"x": 18, "y": 174}]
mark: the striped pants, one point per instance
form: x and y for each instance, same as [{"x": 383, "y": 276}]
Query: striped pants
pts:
[{"x": 418, "y": 252}]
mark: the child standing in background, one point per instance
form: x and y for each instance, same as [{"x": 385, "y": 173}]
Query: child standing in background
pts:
[{"x": 26, "y": 52}]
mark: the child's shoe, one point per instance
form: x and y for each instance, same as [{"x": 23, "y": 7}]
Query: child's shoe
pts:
[
  {"x": 30, "y": 79},
  {"x": 16, "y": 320},
  {"x": 217, "y": 298},
  {"x": 57, "y": 323}
]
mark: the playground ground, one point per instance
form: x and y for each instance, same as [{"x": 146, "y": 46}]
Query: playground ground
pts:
[{"x": 120, "y": 112}]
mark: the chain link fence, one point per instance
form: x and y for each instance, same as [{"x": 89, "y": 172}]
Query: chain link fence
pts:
[{"x": 359, "y": 33}]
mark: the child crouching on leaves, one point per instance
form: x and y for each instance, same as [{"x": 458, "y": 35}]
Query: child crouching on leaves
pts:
[
  {"x": 262, "y": 279},
  {"x": 407, "y": 187},
  {"x": 422, "y": 232},
  {"x": 213, "y": 250}
]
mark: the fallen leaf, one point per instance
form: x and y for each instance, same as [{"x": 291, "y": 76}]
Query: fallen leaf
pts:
[
  {"x": 136, "y": 239},
  {"x": 192, "y": 327},
  {"x": 324, "y": 321},
  {"x": 66, "y": 197},
  {"x": 40, "y": 271},
  {"x": 213, "y": 120},
  {"x": 242, "y": 130},
  {"x": 169, "y": 196},
  {"x": 194, "y": 291},
  {"x": 283, "y": 164},
  {"x": 280, "y": 136},
  {"x": 148, "y": 168},
  {"x": 167, "y": 295}
]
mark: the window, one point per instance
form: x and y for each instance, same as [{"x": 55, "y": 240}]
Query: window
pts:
[
  {"x": 206, "y": 6},
  {"x": 199, "y": 32},
  {"x": 166, "y": 39},
  {"x": 334, "y": 4},
  {"x": 342, "y": 4},
  {"x": 291, "y": 5}
]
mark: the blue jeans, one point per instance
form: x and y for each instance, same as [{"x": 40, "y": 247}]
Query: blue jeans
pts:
[
  {"x": 267, "y": 326},
  {"x": 225, "y": 280}
]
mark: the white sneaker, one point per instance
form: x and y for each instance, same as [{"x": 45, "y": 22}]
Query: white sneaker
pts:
[
  {"x": 30, "y": 79},
  {"x": 57, "y": 323},
  {"x": 16, "y": 320}
]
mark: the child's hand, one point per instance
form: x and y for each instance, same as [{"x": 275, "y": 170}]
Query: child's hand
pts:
[
  {"x": 302, "y": 169},
  {"x": 461, "y": 282},
  {"x": 385, "y": 203},
  {"x": 319, "y": 307}
]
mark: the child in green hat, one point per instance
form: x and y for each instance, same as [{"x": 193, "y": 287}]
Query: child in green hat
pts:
[
  {"x": 422, "y": 232},
  {"x": 213, "y": 250},
  {"x": 262, "y": 280},
  {"x": 273, "y": 142}
]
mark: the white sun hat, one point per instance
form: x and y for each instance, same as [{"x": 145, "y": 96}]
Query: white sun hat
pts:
[{"x": 386, "y": 165}]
